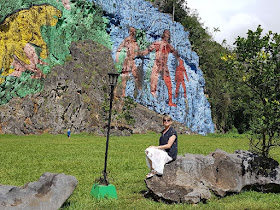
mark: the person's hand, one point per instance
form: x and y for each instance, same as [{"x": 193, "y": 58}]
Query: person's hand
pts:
[{"x": 155, "y": 147}]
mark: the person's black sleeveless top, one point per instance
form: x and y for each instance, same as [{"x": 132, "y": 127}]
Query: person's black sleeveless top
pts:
[{"x": 172, "y": 152}]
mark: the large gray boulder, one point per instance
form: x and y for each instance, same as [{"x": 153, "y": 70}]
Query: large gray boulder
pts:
[
  {"x": 49, "y": 192},
  {"x": 192, "y": 178}
]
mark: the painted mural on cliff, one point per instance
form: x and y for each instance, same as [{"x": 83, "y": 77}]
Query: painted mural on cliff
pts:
[
  {"x": 37, "y": 35},
  {"x": 152, "y": 53},
  {"x": 158, "y": 68},
  {"x": 20, "y": 32}
]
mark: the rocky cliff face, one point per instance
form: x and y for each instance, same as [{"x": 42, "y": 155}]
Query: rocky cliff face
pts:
[
  {"x": 50, "y": 82},
  {"x": 72, "y": 95},
  {"x": 73, "y": 98}
]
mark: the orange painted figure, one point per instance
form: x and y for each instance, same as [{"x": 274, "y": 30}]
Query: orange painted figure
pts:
[
  {"x": 179, "y": 78},
  {"x": 162, "y": 48},
  {"x": 66, "y": 4},
  {"x": 130, "y": 44},
  {"x": 20, "y": 66}
]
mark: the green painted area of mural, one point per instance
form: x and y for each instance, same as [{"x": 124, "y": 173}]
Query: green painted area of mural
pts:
[
  {"x": 14, "y": 86},
  {"x": 9, "y": 7},
  {"x": 141, "y": 39},
  {"x": 83, "y": 21},
  {"x": 119, "y": 65},
  {"x": 144, "y": 44}
]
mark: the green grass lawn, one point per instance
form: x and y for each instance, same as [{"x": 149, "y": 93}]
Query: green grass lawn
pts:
[{"x": 25, "y": 158}]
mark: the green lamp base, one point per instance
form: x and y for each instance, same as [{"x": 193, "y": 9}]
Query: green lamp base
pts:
[{"x": 104, "y": 191}]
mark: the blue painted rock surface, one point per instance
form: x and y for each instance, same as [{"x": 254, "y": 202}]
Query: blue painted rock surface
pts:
[{"x": 190, "y": 104}]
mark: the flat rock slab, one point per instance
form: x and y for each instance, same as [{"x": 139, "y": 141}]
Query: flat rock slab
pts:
[
  {"x": 49, "y": 192},
  {"x": 192, "y": 177}
]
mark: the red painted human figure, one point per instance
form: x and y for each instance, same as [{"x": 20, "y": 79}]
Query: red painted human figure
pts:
[
  {"x": 179, "y": 78},
  {"x": 130, "y": 44},
  {"x": 162, "y": 48}
]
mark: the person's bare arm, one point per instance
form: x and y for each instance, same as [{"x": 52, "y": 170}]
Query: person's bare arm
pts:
[
  {"x": 174, "y": 52},
  {"x": 148, "y": 50},
  {"x": 168, "y": 145}
]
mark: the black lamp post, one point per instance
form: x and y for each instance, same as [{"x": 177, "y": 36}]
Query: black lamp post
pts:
[{"x": 113, "y": 77}]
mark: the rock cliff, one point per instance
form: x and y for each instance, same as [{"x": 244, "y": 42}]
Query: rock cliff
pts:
[
  {"x": 74, "y": 97},
  {"x": 48, "y": 83}
]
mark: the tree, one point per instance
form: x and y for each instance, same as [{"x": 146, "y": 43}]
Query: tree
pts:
[{"x": 255, "y": 68}]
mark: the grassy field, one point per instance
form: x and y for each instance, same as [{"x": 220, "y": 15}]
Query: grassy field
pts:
[{"x": 25, "y": 158}]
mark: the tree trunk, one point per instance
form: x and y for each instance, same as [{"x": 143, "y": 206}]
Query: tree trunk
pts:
[
  {"x": 264, "y": 146},
  {"x": 173, "y": 15}
]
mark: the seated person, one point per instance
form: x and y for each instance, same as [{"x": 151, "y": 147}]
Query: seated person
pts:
[{"x": 158, "y": 156}]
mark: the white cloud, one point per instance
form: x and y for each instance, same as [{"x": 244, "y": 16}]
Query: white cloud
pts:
[
  {"x": 235, "y": 17},
  {"x": 238, "y": 25}
]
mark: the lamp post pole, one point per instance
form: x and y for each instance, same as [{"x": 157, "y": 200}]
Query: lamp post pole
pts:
[
  {"x": 113, "y": 81},
  {"x": 104, "y": 189}
]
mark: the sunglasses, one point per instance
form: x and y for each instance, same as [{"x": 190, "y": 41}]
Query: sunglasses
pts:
[{"x": 166, "y": 120}]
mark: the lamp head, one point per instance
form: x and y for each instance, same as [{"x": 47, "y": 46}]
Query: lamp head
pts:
[{"x": 113, "y": 78}]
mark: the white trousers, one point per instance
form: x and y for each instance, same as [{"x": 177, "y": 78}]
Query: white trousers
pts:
[{"x": 158, "y": 158}]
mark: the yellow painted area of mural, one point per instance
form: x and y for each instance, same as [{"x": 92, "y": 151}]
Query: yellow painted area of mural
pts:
[{"x": 21, "y": 28}]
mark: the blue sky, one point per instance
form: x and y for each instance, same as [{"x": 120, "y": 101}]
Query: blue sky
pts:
[{"x": 235, "y": 17}]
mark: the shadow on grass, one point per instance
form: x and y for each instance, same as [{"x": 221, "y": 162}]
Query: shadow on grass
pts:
[
  {"x": 66, "y": 205},
  {"x": 149, "y": 195}
]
